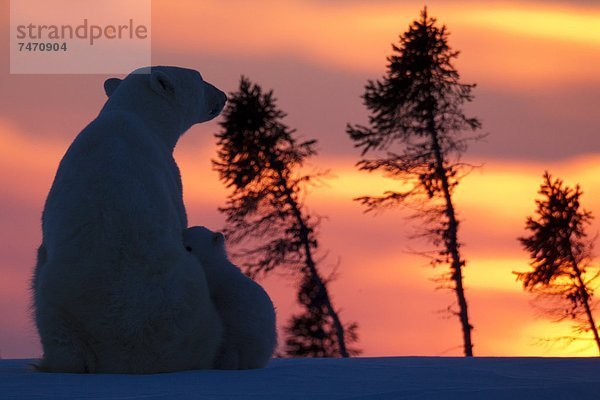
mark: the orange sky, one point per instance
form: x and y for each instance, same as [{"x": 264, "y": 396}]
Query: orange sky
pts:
[{"x": 536, "y": 69}]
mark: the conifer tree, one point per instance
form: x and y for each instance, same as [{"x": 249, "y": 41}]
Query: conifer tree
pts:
[
  {"x": 416, "y": 132},
  {"x": 259, "y": 159},
  {"x": 562, "y": 270},
  {"x": 310, "y": 333}
]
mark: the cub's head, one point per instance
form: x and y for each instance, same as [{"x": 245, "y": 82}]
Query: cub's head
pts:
[
  {"x": 206, "y": 245},
  {"x": 180, "y": 90}
]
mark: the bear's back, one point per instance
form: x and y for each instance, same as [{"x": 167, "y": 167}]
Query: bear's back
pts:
[{"x": 115, "y": 176}]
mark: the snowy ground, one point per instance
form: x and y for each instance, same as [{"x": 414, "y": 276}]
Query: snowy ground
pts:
[{"x": 359, "y": 378}]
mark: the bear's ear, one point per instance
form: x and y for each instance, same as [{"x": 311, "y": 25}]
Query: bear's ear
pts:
[
  {"x": 161, "y": 83},
  {"x": 218, "y": 238},
  {"x": 110, "y": 85}
]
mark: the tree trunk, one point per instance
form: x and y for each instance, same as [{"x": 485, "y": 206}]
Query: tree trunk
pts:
[
  {"x": 339, "y": 328},
  {"x": 312, "y": 269},
  {"x": 586, "y": 301},
  {"x": 451, "y": 242},
  {"x": 590, "y": 317}
]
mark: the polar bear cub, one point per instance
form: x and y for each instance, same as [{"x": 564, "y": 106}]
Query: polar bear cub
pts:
[
  {"x": 114, "y": 289},
  {"x": 245, "y": 308}
]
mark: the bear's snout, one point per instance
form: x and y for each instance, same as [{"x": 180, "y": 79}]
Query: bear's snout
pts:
[{"x": 216, "y": 100}]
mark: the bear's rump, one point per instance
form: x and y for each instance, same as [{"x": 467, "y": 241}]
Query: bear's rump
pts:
[{"x": 138, "y": 320}]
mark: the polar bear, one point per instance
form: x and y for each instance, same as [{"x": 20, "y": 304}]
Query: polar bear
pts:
[
  {"x": 245, "y": 308},
  {"x": 114, "y": 290}
]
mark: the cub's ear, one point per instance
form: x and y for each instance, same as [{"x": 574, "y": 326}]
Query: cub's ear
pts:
[
  {"x": 110, "y": 85},
  {"x": 218, "y": 238},
  {"x": 161, "y": 83}
]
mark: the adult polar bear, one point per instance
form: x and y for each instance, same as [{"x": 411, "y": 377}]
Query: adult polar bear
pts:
[{"x": 114, "y": 289}]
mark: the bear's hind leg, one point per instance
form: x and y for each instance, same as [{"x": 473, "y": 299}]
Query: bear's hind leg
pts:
[
  {"x": 67, "y": 348},
  {"x": 228, "y": 357}
]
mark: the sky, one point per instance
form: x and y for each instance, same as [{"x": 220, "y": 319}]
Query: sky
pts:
[{"x": 535, "y": 64}]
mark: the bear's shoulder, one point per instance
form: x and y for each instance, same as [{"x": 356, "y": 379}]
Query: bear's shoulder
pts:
[
  {"x": 114, "y": 135},
  {"x": 112, "y": 127}
]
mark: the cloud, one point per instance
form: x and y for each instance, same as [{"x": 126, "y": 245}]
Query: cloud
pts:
[
  {"x": 377, "y": 277},
  {"x": 537, "y": 96},
  {"x": 561, "y": 24},
  {"x": 464, "y": 2}
]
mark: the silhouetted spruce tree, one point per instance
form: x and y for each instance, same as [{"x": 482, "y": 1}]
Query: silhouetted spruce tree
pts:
[
  {"x": 416, "y": 127},
  {"x": 259, "y": 159},
  {"x": 309, "y": 333},
  {"x": 561, "y": 255}
]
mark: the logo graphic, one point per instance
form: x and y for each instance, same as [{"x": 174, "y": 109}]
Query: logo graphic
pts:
[{"x": 79, "y": 36}]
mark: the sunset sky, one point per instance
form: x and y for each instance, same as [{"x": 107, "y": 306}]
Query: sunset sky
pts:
[{"x": 536, "y": 67}]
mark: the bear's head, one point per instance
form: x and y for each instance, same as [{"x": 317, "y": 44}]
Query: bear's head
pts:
[
  {"x": 173, "y": 97},
  {"x": 206, "y": 245}
]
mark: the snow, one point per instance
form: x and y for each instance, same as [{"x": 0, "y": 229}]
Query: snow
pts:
[{"x": 359, "y": 378}]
